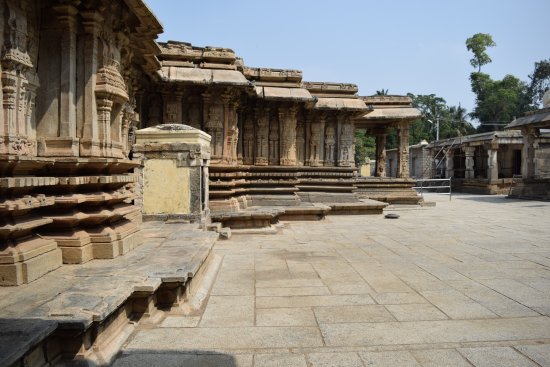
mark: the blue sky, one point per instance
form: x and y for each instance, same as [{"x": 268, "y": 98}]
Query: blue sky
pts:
[{"x": 404, "y": 46}]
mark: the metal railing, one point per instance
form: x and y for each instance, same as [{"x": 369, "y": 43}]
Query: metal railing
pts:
[{"x": 434, "y": 184}]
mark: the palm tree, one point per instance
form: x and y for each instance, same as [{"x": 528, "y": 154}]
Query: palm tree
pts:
[
  {"x": 458, "y": 115},
  {"x": 382, "y": 92}
]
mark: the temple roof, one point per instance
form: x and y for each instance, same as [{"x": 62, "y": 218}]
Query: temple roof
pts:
[
  {"x": 278, "y": 84},
  {"x": 536, "y": 119},
  {"x": 335, "y": 96},
  {"x": 197, "y": 76},
  {"x": 386, "y": 110},
  {"x": 502, "y": 137},
  {"x": 284, "y": 94},
  {"x": 186, "y": 64},
  {"x": 392, "y": 114}
]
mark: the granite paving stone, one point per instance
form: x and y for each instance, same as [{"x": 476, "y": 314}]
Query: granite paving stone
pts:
[
  {"x": 280, "y": 360},
  {"x": 495, "y": 357},
  {"x": 464, "y": 283}
]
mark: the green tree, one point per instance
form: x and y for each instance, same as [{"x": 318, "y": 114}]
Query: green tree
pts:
[
  {"x": 365, "y": 147},
  {"x": 452, "y": 119},
  {"x": 382, "y": 92},
  {"x": 540, "y": 81},
  {"x": 498, "y": 102},
  {"x": 478, "y": 44}
]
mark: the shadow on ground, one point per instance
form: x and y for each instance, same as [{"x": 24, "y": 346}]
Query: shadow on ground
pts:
[{"x": 188, "y": 358}]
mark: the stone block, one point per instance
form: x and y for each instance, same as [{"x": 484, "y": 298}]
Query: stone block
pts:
[
  {"x": 28, "y": 261},
  {"x": 31, "y": 269},
  {"x": 77, "y": 255}
]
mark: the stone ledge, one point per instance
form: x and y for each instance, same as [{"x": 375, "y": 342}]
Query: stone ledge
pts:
[{"x": 73, "y": 302}]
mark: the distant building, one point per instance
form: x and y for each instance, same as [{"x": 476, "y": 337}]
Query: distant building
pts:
[{"x": 486, "y": 163}]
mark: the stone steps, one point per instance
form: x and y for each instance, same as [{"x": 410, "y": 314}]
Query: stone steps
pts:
[{"x": 71, "y": 313}]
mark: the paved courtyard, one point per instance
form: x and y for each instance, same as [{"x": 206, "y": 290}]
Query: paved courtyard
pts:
[{"x": 464, "y": 283}]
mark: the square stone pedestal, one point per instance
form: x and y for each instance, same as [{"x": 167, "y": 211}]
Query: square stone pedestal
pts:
[{"x": 173, "y": 176}]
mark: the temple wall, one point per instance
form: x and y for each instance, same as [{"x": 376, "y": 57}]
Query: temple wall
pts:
[{"x": 68, "y": 81}]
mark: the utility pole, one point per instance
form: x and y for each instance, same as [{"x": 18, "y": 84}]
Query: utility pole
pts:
[{"x": 437, "y": 128}]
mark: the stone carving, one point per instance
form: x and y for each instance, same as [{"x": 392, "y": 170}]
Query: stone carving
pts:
[
  {"x": 330, "y": 144},
  {"x": 300, "y": 140},
  {"x": 262, "y": 136},
  {"x": 273, "y": 139},
  {"x": 316, "y": 142},
  {"x": 248, "y": 139},
  {"x": 346, "y": 143},
  {"x": 79, "y": 99},
  {"x": 213, "y": 124},
  {"x": 287, "y": 118}
]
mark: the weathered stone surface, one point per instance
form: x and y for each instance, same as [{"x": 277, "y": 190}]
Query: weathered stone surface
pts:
[
  {"x": 495, "y": 356},
  {"x": 224, "y": 338},
  {"x": 285, "y": 317}
]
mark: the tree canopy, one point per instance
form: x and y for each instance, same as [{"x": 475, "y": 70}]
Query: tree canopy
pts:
[
  {"x": 498, "y": 102},
  {"x": 540, "y": 81},
  {"x": 478, "y": 44}
]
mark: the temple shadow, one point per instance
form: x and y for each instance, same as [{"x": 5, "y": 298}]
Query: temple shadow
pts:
[{"x": 187, "y": 358}]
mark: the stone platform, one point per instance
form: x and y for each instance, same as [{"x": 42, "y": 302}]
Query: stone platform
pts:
[
  {"x": 83, "y": 313},
  {"x": 465, "y": 283}
]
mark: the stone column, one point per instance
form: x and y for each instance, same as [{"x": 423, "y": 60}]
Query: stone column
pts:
[
  {"x": 9, "y": 93},
  {"x": 262, "y": 136},
  {"x": 213, "y": 125},
  {"x": 300, "y": 140},
  {"x": 274, "y": 139},
  {"x": 287, "y": 117},
  {"x": 492, "y": 162},
  {"x": 469, "y": 163},
  {"x": 66, "y": 15},
  {"x": 449, "y": 164},
  {"x": 403, "y": 150},
  {"x": 89, "y": 142},
  {"x": 528, "y": 152},
  {"x": 248, "y": 139},
  {"x": 230, "y": 128},
  {"x": 173, "y": 107},
  {"x": 307, "y": 137},
  {"x": 104, "y": 107},
  {"x": 345, "y": 147},
  {"x": 330, "y": 144},
  {"x": 380, "y": 159},
  {"x": 316, "y": 151}
]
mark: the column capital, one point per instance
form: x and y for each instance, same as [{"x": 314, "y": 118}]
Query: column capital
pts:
[{"x": 91, "y": 21}]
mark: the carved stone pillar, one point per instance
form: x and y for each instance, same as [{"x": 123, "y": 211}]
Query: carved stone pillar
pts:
[
  {"x": 316, "y": 142},
  {"x": 403, "y": 151},
  {"x": 248, "y": 139},
  {"x": 213, "y": 125},
  {"x": 262, "y": 136},
  {"x": 528, "y": 152},
  {"x": 330, "y": 143},
  {"x": 172, "y": 108},
  {"x": 492, "y": 162},
  {"x": 380, "y": 163},
  {"x": 307, "y": 133},
  {"x": 104, "y": 108},
  {"x": 287, "y": 117},
  {"x": 9, "y": 91},
  {"x": 66, "y": 15},
  {"x": 231, "y": 131},
  {"x": 300, "y": 140},
  {"x": 89, "y": 134},
  {"x": 449, "y": 164},
  {"x": 274, "y": 137},
  {"x": 469, "y": 162},
  {"x": 346, "y": 156}
]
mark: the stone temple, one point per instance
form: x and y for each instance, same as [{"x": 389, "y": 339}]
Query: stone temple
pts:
[{"x": 102, "y": 126}]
